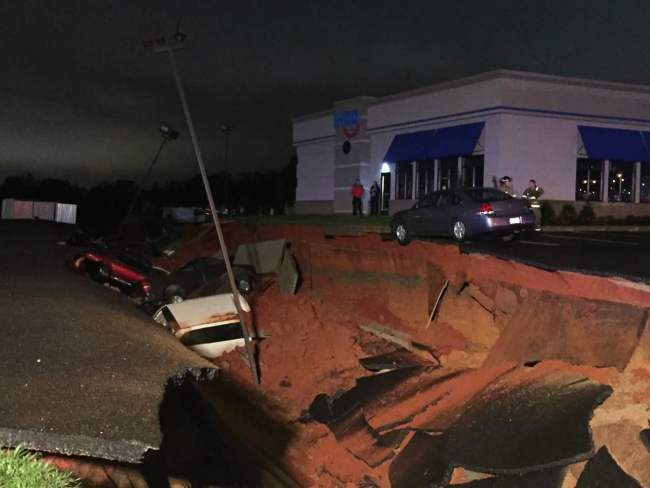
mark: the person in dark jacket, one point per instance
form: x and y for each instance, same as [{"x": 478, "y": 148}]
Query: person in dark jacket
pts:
[
  {"x": 357, "y": 195},
  {"x": 374, "y": 198}
]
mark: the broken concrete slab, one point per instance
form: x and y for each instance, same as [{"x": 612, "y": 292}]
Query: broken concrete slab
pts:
[
  {"x": 355, "y": 435},
  {"x": 436, "y": 405},
  {"x": 388, "y": 333},
  {"x": 398, "y": 359},
  {"x": 545, "y": 478},
  {"x": 531, "y": 419},
  {"x": 288, "y": 275},
  {"x": 422, "y": 462},
  {"x": 575, "y": 330},
  {"x": 603, "y": 471},
  {"x": 83, "y": 371},
  {"x": 368, "y": 389},
  {"x": 265, "y": 256}
]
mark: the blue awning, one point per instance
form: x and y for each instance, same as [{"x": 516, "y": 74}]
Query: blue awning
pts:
[
  {"x": 459, "y": 140},
  {"x": 621, "y": 144}
]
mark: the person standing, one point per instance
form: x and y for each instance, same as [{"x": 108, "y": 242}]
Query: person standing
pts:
[
  {"x": 374, "y": 198},
  {"x": 505, "y": 185},
  {"x": 533, "y": 193},
  {"x": 357, "y": 195}
]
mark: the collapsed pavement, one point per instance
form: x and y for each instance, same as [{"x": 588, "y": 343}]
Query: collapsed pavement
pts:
[
  {"x": 83, "y": 372},
  {"x": 364, "y": 298}
]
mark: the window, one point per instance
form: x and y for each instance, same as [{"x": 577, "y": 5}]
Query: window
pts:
[
  {"x": 429, "y": 201},
  {"x": 487, "y": 195},
  {"x": 620, "y": 183},
  {"x": 448, "y": 173},
  {"x": 404, "y": 180},
  {"x": 645, "y": 182},
  {"x": 588, "y": 179},
  {"x": 426, "y": 177},
  {"x": 473, "y": 171}
]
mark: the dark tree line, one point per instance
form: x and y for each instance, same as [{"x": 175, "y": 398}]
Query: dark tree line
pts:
[{"x": 102, "y": 207}]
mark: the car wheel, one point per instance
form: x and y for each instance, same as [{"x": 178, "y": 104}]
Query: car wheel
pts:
[
  {"x": 459, "y": 231},
  {"x": 175, "y": 294},
  {"x": 402, "y": 234},
  {"x": 102, "y": 273}
]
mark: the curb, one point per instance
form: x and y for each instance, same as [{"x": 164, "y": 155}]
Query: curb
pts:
[{"x": 595, "y": 228}]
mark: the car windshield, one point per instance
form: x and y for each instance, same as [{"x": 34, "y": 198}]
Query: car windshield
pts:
[{"x": 483, "y": 195}]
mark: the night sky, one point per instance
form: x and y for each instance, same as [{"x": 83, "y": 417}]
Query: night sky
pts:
[{"x": 82, "y": 99}]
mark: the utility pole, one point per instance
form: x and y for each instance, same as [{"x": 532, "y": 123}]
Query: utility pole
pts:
[
  {"x": 168, "y": 134},
  {"x": 226, "y": 129},
  {"x": 161, "y": 46}
]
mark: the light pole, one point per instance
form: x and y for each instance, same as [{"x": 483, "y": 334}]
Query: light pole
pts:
[
  {"x": 620, "y": 186},
  {"x": 161, "y": 46},
  {"x": 168, "y": 134},
  {"x": 226, "y": 129}
]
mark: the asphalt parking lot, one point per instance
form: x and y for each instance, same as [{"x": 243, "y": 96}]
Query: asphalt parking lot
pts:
[
  {"x": 82, "y": 370},
  {"x": 619, "y": 254}
]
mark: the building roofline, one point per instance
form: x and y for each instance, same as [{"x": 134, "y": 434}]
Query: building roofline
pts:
[
  {"x": 492, "y": 75},
  {"x": 517, "y": 75}
]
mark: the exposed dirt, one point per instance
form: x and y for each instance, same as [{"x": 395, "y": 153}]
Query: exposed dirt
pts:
[{"x": 492, "y": 308}]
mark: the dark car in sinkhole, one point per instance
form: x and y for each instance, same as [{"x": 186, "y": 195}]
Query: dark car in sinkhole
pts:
[{"x": 463, "y": 213}]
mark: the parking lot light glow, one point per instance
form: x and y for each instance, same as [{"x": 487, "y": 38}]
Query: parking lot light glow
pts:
[{"x": 584, "y": 181}]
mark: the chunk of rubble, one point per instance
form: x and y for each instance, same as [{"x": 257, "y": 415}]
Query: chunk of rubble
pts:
[
  {"x": 545, "y": 478},
  {"x": 532, "y": 418},
  {"x": 603, "y": 471},
  {"x": 421, "y": 462},
  {"x": 434, "y": 402},
  {"x": 398, "y": 359},
  {"x": 574, "y": 330},
  {"x": 265, "y": 256},
  {"x": 523, "y": 425}
]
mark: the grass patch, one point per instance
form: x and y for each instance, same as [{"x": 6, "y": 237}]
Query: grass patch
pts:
[
  {"x": 22, "y": 469},
  {"x": 331, "y": 219}
]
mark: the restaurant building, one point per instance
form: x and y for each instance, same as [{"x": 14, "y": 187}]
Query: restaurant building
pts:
[{"x": 581, "y": 140}]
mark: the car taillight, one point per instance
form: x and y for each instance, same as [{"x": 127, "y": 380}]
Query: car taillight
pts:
[{"x": 486, "y": 209}]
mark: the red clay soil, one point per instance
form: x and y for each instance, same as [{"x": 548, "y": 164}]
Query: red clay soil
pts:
[
  {"x": 370, "y": 253},
  {"x": 314, "y": 340}
]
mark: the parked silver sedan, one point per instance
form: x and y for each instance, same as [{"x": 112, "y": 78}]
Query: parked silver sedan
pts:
[{"x": 462, "y": 214}]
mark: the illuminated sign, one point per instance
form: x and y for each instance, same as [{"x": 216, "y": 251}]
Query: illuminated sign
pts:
[{"x": 349, "y": 121}]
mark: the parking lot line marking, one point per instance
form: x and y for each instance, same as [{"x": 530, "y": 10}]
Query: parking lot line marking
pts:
[
  {"x": 534, "y": 243},
  {"x": 608, "y": 241}
]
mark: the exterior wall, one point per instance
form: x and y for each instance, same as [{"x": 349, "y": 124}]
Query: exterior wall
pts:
[
  {"x": 433, "y": 107},
  {"x": 582, "y": 97},
  {"x": 543, "y": 149},
  {"x": 315, "y": 172}
]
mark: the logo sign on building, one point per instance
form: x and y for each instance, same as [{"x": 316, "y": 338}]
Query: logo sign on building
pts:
[{"x": 349, "y": 121}]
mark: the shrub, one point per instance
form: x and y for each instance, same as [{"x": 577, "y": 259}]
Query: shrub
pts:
[
  {"x": 587, "y": 216},
  {"x": 568, "y": 215},
  {"x": 22, "y": 469},
  {"x": 548, "y": 214}
]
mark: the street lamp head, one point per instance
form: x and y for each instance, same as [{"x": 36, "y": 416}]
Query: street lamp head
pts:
[{"x": 168, "y": 133}]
